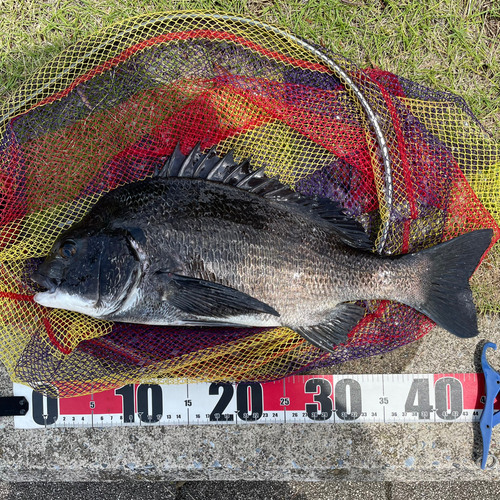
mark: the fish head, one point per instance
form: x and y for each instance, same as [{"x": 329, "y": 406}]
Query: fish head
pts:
[{"x": 89, "y": 273}]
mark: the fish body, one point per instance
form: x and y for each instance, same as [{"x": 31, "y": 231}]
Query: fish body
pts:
[{"x": 208, "y": 242}]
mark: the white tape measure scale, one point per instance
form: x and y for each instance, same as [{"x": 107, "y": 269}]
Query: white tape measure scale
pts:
[{"x": 319, "y": 399}]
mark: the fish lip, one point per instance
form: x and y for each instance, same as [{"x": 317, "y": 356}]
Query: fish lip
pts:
[{"x": 46, "y": 282}]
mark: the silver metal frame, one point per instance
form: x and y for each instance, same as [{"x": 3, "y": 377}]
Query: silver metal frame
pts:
[{"x": 330, "y": 63}]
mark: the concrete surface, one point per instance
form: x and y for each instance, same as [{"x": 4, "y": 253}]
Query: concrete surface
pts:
[
  {"x": 352, "y": 454},
  {"x": 245, "y": 490}
]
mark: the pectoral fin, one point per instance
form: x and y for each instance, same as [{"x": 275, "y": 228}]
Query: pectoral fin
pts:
[
  {"x": 206, "y": 298},
  {"x": 335, "y": 330}
]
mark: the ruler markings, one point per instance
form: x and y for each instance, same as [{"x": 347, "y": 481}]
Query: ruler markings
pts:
[{"x": 315, "y": 399}]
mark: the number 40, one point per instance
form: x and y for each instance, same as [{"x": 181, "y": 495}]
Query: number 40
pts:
[{"x": 420, "y": 391}]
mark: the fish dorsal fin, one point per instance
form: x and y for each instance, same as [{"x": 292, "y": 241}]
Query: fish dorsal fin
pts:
[{"x": 226, "y": 170}]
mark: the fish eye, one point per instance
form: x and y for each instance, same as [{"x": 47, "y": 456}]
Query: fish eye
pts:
[{"x": 67, "y": 249}]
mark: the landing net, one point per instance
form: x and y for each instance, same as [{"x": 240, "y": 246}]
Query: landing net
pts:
[{"x": 412, "y": 164}]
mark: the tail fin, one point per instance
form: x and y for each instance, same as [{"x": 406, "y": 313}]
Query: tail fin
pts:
[{"x": 449, "y": 298}]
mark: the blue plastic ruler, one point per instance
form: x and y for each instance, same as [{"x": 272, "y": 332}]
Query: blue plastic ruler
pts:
[{"x": 314, "y": 399}]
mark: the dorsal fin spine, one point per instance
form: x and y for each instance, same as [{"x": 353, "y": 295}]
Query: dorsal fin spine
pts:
[
  {"x": 226, "y": 170},
  {"x": 224, "y": 162},
  {"x": 204, "y": 161},
  {"x": 230, "y": 176},
  {"x": 166, "y": 170},
  {"x": 189, "y": 160},
  {"x": 265, "y": 182},
  {"x": 249, "y": 177}
]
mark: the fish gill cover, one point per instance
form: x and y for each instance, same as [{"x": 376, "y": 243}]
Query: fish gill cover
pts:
[{"x": 412, "y": 164}]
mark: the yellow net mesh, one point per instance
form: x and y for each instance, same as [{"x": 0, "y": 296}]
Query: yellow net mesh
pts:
[{"x": 106, "y": 111}]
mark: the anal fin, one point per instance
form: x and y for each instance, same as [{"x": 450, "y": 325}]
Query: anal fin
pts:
[{"x": 334, "y": 331}]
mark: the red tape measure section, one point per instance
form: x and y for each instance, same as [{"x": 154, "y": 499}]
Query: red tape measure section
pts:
[{"x": 410, "y": 398}]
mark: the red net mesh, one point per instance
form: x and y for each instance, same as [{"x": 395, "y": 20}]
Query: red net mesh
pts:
[{"x": 116, "y": 114}]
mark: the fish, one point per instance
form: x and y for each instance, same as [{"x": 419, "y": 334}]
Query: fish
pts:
[{"x": 207, "y": 241}]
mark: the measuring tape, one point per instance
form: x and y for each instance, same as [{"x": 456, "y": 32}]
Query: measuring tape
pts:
[{"x": 319, "y": 399}]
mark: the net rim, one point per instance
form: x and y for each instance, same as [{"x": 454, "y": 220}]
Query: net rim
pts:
[{"x": 146, "y": 19}]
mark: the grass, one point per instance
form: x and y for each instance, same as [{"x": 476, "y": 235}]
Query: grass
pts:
[{"x": 450, "y": 45}]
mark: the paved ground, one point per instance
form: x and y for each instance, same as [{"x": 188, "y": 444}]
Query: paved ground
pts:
[
  {"x": 253, "y": 490},
  {"x": 386, "y": 461}
]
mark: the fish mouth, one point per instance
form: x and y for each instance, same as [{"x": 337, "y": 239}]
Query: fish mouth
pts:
[{"x": 49, "y": 283}]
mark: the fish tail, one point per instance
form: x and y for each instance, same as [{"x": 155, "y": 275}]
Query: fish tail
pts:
[{"x": 448, "y": 298}]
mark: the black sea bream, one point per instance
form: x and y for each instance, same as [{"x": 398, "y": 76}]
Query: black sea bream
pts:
[{"x": 208, "y": 242}]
